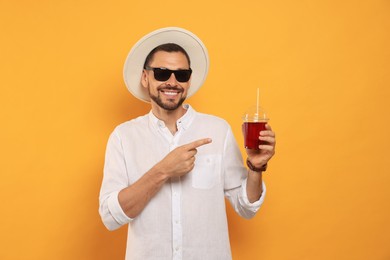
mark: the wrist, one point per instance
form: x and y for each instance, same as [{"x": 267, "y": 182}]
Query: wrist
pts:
[
  {"x": 159, "y": 174},
  {"x": 255, "y": 169}
]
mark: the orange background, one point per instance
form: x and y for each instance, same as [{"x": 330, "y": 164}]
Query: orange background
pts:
[{"x": 323, "y": 72}]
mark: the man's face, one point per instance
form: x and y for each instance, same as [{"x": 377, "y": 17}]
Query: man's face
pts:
[{"x": 169, "y": 94}]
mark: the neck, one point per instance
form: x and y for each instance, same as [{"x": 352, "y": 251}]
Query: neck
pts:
[{"x": 169, "y": 117}]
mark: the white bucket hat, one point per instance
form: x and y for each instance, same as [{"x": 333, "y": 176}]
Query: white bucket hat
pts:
[{"x": 135, "y": 60}]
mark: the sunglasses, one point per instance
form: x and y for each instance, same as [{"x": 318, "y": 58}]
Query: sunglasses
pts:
[{"x": 163, "y": 74}]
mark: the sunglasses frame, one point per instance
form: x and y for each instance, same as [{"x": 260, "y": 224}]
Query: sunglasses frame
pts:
[{"x": 163, "y": 74}]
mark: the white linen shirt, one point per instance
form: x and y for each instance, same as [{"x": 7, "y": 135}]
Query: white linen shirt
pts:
[{"x": 186, "y": 219}]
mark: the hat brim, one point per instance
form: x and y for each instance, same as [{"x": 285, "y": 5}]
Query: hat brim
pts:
[{"x": 135, "y": 60}]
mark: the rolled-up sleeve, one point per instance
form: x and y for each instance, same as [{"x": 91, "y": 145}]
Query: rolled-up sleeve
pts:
[
  {"x": 244, "y": 201},
  {"x": 238, "y": 198},
  {"x": 114, "y": 180}
]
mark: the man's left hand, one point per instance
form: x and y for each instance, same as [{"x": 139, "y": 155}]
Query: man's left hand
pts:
[{"x": 259, "y": 158}]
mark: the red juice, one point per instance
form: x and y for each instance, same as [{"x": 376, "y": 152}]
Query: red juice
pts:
[{"x": 251, "y": 131}]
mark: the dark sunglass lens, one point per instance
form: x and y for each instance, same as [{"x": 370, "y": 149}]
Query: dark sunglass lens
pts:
[
  {"x": 183, "y": 75},
  {"x": 162, "y": 74}
]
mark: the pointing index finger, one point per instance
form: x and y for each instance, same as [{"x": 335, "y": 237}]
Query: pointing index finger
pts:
[{"x": 198, "y": 143}]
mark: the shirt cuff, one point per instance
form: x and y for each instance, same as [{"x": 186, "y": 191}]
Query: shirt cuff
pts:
[
  {"x": 255, "y": 206},
  {"x": 116, "y": 210}
]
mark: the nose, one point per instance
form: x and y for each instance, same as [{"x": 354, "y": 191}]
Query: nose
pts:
[{"x": 172, "y": 80}]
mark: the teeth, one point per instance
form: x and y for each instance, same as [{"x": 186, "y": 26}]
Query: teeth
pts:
[{"x": 170, "y": 93}]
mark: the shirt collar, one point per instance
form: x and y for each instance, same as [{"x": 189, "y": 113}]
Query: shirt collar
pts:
[
  {"x": 186, "y": 120},
  {"x": 183, "y": 122}
]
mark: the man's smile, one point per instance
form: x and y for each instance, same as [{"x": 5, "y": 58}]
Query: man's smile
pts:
[{"x": 170, "y": 91}]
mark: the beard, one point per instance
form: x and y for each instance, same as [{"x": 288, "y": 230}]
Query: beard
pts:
[{"x": 170, "y": 105}]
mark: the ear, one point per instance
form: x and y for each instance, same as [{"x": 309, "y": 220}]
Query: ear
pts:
[{"x": 144, "y": 79}]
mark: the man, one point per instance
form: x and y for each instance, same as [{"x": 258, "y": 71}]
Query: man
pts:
[{"x": 167, "y": 173}]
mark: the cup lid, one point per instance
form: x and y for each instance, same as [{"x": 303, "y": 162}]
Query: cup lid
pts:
[{"x": 255, "y": 114}]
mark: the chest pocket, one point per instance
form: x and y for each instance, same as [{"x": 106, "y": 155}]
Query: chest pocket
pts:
[{"x": 207, "y": 171}]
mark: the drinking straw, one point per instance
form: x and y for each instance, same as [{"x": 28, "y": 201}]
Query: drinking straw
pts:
[{"x": 257, "y": 102}]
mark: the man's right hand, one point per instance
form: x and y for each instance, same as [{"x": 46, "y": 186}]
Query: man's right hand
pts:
[{"x": 181, "y": 160}]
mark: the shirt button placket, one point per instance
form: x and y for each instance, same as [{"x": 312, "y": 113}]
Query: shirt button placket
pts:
[
  {"x": 176, "y": 228},
  {"x": 176, "y": 215}
]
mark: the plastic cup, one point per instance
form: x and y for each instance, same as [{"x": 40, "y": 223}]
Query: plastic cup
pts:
[{"x": 254, "y": 121}]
